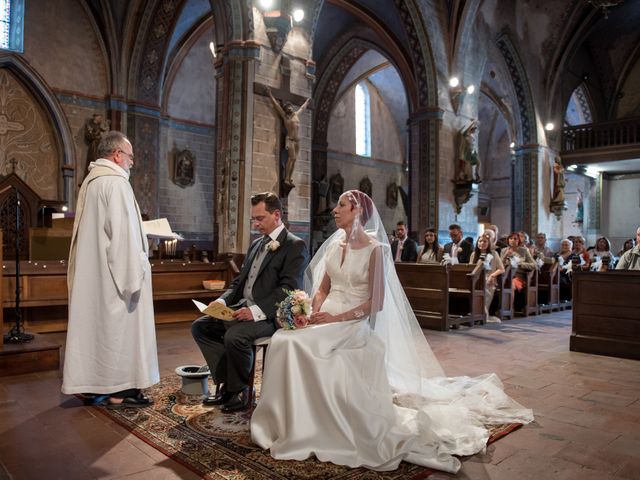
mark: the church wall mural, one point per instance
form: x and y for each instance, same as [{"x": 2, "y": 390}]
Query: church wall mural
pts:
[{"x": 28, "y": 144}]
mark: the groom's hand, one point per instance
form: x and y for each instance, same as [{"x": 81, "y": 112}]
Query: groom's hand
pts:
[{"x": 244, "y": 314}]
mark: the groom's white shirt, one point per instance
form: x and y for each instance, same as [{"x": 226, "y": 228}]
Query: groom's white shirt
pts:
[{"x": 258, "y": 314}]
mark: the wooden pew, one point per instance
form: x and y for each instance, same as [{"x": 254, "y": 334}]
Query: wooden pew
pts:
[
  {"x": 426, "y": 287},
  {"x": 605, "y": 313},
  {"x": 549, "y": 287},
  {"x": 44, "y": 290},
  {"x": 466, "y": 294},
  {"x": 531, "y": 293},
  {"x": 505, "y": 293}
]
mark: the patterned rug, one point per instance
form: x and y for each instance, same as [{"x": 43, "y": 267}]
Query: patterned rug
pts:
[{"x": 218, "y": 446}]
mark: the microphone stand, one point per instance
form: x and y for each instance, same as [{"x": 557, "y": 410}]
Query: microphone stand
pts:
[{"x": 17, "y": 333}]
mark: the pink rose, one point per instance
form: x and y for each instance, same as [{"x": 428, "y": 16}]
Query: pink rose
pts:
[{"x": 300, "y": 321}]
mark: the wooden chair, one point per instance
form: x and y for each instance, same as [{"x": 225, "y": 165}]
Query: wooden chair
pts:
[{"x": 261, "y": 343}]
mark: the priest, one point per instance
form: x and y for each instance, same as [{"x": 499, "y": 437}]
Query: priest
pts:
[{"x": 111, "y": 352}]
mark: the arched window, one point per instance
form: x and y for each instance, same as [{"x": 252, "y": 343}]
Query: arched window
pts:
[
  {"x": 11, "y": 24},
  {"x": 363, "y": 121},
  {"x": 579, "y": 108}
]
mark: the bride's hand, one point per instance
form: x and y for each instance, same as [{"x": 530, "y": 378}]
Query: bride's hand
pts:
[{"x": 322, "y": 317}]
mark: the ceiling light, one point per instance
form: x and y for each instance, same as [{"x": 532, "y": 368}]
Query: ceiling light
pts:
[
  {"x": 454, "y": 82},
  {"x": 266, "y": 3},
  {"x": 298, "y": 15},
  {"x": 471, "y": 89},
  {"x": 212, "y": 47},
  {"x": 549, "y": 126},
  {"x": 512, "y": 144}
]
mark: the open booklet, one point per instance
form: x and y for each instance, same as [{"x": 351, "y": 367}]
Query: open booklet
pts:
[
  {"x": 160, "y": 228},
  {"x": 215, "y": 310}
]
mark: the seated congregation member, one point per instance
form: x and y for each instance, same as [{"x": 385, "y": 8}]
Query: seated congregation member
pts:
[
  {"x": 565, "y": 258},
  {"x": 540, "y": 248},
  {"x": 484, "y": 252},
  {"x": 431, "y": 251},
  {"x": 601, "y": 250},
  {"x": 403, "y": 248},
  {"x": 520, "y": 259},
  {"x": 360, "y": 386},
  {"x": 458, "y": 250},
  {"x": 499, "y": 242},
  {"x": 630, "y": 260},
  {"x": 628, "y": 245},
  {"x": 580, "y": 250}
]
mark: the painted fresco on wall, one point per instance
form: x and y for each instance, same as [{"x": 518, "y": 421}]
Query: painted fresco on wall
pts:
[{"x": 27, "y": 142}]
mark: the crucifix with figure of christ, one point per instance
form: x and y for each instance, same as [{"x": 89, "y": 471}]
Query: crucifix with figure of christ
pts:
[{"x": 290, "y": 118}]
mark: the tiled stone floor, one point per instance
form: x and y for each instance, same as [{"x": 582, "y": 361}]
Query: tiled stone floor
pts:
[{"x": 587, "y": 410}]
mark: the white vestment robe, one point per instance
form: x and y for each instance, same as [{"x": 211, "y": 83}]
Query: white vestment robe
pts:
[{"x": 111, "y": 340}]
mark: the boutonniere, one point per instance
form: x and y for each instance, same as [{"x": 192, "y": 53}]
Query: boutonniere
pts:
[{"x": 272, "y": 246}]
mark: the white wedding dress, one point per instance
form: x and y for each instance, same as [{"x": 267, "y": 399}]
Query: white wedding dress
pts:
[{"x": 325, "y": 392}]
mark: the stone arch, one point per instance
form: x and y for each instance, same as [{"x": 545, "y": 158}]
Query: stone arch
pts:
[
  {"x": 347, "y": 53},
  {"x": 39, "y": 89},
  {"x": 524, "y": 193},
  {"x": 527, "y": 124}
]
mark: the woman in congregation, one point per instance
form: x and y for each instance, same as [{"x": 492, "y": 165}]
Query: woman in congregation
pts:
[
  {"x": 580, "y": 250},
  {"x": 520, "y": 259},
  {"x": 361, "y": 386},
  {"x": 431, "y": 251},
  {"x": 628, "y": 245},
  {"x": 484, "y": 252},
  {"x": 602, "y": 249},
  {"x": 564, "y": 257}
]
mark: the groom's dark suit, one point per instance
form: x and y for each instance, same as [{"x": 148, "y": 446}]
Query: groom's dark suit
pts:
[{"x": 226, "y": 346}]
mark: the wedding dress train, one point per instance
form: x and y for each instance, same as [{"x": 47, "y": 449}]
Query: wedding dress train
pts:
[{"x": 326, "y": 392}]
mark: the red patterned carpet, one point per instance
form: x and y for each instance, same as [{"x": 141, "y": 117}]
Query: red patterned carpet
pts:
[{"x": 218, "y": 446}]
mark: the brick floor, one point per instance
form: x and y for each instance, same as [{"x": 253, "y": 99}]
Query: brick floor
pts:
[{"x": 587, "y": 410}]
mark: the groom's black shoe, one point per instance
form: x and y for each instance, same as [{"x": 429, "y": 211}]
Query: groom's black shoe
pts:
[
  {"x": 219, "y": 398},
  {"x": 239, "y": 401}
]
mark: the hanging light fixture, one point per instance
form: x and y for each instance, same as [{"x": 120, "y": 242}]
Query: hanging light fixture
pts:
[{"x": 605, "y": 5}]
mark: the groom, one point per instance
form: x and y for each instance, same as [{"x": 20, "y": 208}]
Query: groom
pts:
[{"x": 275, "y": 262}]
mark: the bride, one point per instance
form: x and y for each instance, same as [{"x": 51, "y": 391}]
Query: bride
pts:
[{"x": 361, "y": 386}]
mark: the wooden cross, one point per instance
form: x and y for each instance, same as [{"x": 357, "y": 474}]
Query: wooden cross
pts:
[{"x": 13, "y": 163}]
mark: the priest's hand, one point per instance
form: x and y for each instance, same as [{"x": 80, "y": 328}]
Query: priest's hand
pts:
[{"x": 244, "y": 314}]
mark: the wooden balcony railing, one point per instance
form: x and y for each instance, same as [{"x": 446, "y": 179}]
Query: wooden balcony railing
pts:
[{"x": 606, "y": 134}]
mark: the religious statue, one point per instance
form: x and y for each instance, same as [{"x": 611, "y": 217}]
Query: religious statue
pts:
[
  {"x": 558, "y": 204},
  {"x": 392, "y": 195},
  {"x": 579, "y": 209},
  {"x": 94, "y": 130},
  {"x": 291, "y": 120},
  {"x": 336, "y": 187},
  {"x": 468, "y": 161},
  {"x": 366, "y": 186},
  {"x": 184, "y": 169},
  {"x": 558, "y": 182}
]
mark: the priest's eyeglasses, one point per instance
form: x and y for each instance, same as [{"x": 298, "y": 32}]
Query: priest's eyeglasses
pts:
[{"x": 130, "y": 155}]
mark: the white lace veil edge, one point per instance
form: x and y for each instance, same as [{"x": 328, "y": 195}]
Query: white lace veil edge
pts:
[{"x": 409, "y": 358}]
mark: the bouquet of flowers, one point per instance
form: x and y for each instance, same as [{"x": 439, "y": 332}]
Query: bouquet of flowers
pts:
[{"x": 293, "y": 312}]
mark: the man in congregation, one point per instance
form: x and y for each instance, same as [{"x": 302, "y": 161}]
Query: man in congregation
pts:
[
  {"x": 111, "y": 341},
  {"x": 274, "y": 263},
  {"x": 457, "y": 248},
  {"x": 403, "y": 248},
  {"x": 630, "y": 260}
]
